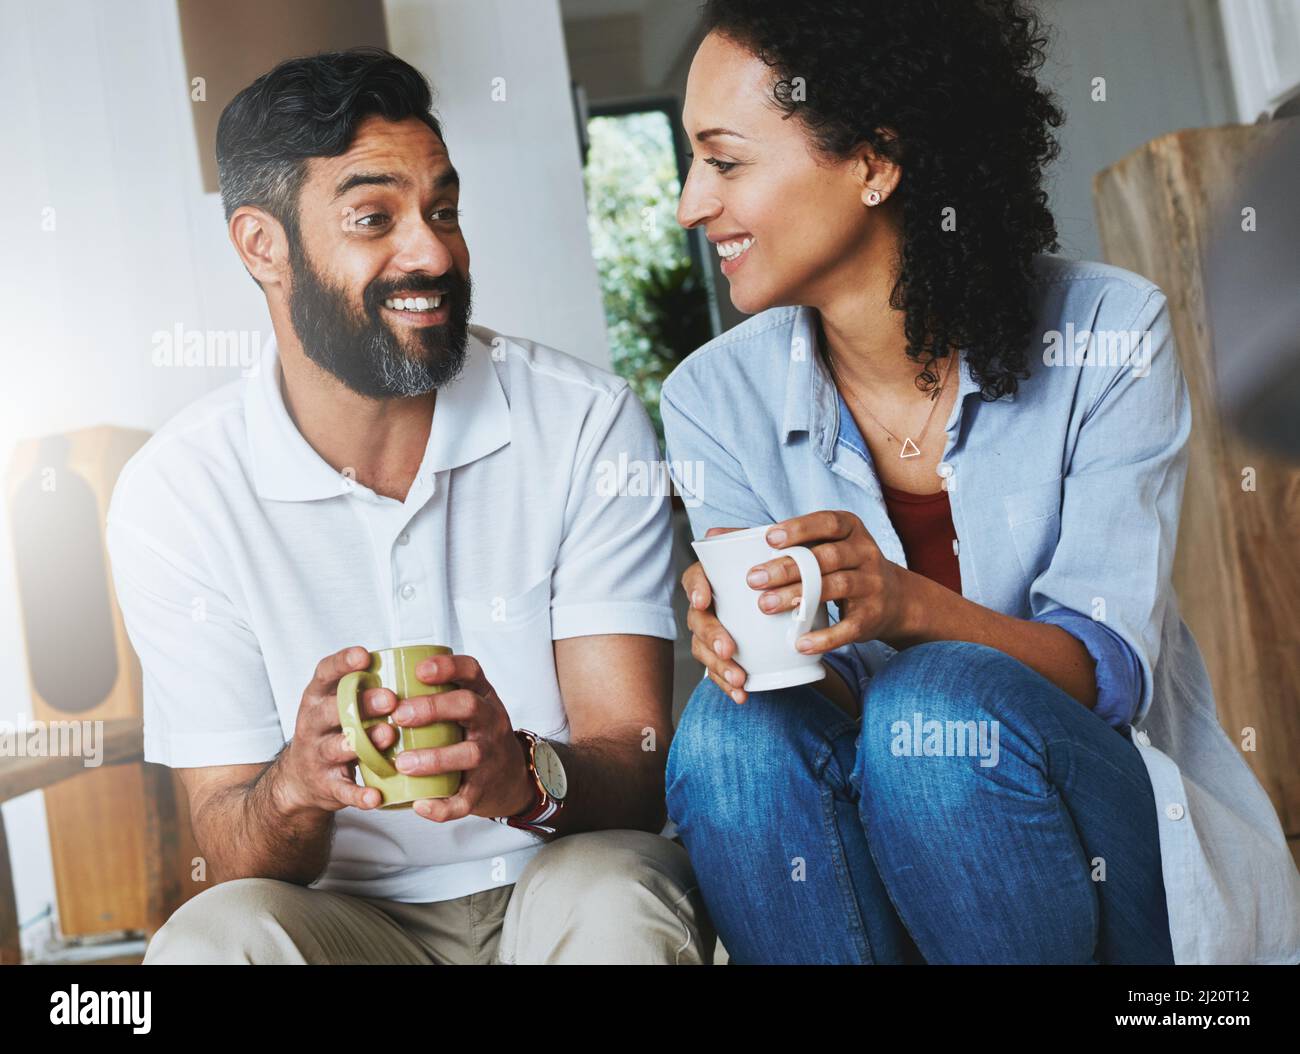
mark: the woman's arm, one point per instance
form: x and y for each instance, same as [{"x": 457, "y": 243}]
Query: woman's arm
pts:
[
  {"x": 880, "y": 600},
  {"x": 933, "y": 612}
]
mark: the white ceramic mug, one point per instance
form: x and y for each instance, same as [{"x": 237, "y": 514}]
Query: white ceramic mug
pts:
[{"x": 764, "y": 642}]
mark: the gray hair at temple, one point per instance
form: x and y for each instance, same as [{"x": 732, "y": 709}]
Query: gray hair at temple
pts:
[{"x": 308, "y": 107}]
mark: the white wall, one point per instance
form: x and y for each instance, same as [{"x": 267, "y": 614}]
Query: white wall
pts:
[
  {"x": 1263, "y": 42},
  {"x": 518, "y": 159},
  {"x": 1165, "y": 69},
  {"x": 97, "y": 127}
]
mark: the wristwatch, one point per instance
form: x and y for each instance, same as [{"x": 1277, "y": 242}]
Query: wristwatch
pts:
[{"x": 547, "y": 772}]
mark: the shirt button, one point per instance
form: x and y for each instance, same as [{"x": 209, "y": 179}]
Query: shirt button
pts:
[
  {"x": 945, "y": 470},
  {"x": 403, "y": 538},
  {"x": 408, "y": 591},
  {"x": 1144, "y": 739},
  {"x": 1174, "y": 811}
]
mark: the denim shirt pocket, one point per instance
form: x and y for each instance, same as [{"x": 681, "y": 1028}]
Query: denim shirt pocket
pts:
[{"x": 1034, "y": 520}]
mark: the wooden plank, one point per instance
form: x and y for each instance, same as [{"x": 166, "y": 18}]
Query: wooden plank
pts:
[
  {"x": 108, "y": 834},
  {"x": 58, "y": 494},
  {"x": 123, "y": 742},
  {"x": 1237, "y": 568},
  {"x": 11, "y": 950},
  {"x": 161, "y": 844},
  {"x": 100, "y": 880}
]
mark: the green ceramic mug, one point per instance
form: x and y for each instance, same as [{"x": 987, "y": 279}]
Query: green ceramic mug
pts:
[{"x": 394, "y": 668}]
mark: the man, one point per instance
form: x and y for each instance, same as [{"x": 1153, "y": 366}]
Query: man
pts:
[{"x": 393, "y": 475}]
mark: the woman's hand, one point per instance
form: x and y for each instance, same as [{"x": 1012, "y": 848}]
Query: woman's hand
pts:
[
  {"x": 712, "y": 645},
  {"x": 871, "y": 592}
]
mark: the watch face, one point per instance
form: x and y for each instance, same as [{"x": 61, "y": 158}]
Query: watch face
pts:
[{"x": 549, "y": 770}]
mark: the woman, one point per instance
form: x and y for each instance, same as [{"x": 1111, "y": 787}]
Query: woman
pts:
[{"x": 994, "y": 515}]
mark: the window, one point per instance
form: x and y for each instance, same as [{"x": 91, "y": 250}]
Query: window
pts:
[{"x": 656, "y": 292}]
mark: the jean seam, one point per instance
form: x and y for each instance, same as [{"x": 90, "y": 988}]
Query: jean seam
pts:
[
  {"x": 889, "y": 893},
  {"x": 838, "y": 730},
  {"x": 1119, "y": 772},
  {"x": 1071, "y": 763},
  {"x": 843, "y": 873},
  {"x": 875, "y": 860}
]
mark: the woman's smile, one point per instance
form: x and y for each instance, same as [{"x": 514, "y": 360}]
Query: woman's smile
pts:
[{"x": 734, "y": 250}]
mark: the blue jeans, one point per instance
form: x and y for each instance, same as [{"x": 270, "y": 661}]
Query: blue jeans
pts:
[{"x": 1020, "y": 828}]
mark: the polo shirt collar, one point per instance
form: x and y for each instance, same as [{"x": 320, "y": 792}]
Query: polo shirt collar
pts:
[
  {"x": 811, "y": 400},
  {"x": 471, "y": 419}
]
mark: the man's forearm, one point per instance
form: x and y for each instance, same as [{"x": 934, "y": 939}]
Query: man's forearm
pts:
[
  {"x": 612, "y": 783},
  {"x": 258, "y": 831}
]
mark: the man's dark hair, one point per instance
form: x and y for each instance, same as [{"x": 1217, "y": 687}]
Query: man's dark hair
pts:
[{"x": 308, "y": 107}]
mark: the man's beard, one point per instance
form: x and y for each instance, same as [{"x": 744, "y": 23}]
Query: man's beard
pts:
[{"x": 364, "y": 353}]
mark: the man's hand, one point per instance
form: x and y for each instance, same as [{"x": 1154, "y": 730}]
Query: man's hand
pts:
[
  {"x": 495, "y": 780},
  {"x": 712, "y": 645},
  {"x": 318, "y": 768}
]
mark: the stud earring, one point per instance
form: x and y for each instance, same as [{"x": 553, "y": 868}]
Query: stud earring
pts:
[{"x": 873, "y": 198}]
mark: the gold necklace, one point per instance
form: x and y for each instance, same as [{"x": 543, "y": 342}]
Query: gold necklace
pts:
[{"x": 909, "y": 447}]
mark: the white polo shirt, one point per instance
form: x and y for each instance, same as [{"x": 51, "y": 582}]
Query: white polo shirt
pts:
[{"x": 241, "y": 559}]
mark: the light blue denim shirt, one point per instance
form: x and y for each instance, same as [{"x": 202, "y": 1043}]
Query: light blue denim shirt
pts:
[
  {"x": 1065, "y": 498},
  {"x": 1118, "y": 672}
]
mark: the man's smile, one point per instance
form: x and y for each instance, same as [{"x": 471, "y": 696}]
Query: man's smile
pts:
[{"x": 412, "y": 311}]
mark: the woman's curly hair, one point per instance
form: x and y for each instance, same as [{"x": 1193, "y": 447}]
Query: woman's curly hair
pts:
[{"x": 946, "y": 89}]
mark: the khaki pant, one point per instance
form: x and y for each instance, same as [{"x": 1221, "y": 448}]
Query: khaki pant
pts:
[{"x": 596, "y": 897}]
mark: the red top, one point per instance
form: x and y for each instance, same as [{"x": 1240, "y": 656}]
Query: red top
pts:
[{"x": 924, "y": 526}]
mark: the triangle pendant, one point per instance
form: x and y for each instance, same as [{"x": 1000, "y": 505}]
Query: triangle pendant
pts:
[{"x": 909, "y": 449}]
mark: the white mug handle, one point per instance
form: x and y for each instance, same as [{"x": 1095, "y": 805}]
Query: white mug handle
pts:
[{"x": 811, "y": 598}]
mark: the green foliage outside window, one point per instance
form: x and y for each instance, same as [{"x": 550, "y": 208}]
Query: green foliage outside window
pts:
[{"x": 656, "y": 308}]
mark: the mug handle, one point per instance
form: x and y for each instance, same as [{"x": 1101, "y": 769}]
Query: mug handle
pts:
[
  {"x": 811, "y": 575},
  {"x": 355, "y": 729}
]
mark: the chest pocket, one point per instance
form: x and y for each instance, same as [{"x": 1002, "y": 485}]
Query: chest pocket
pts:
[
  {"x": 1034, "y": 520},
  {"x": 510, "y": 636}
]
